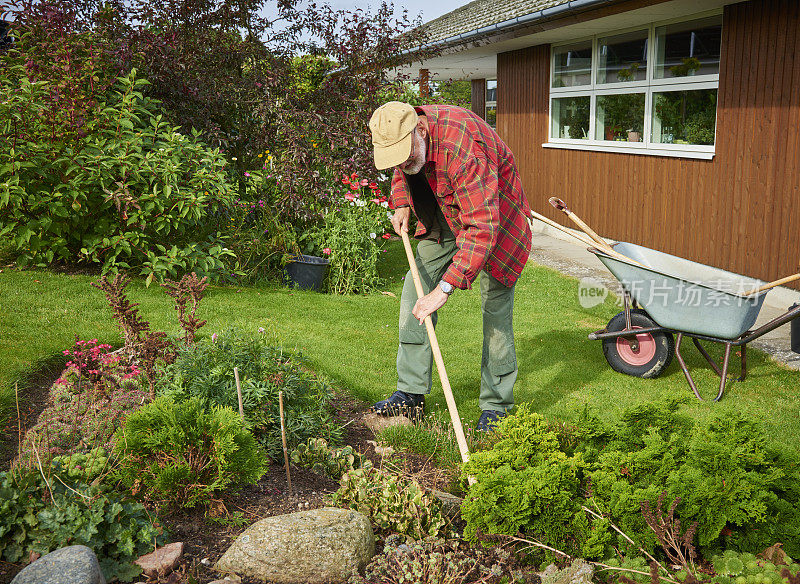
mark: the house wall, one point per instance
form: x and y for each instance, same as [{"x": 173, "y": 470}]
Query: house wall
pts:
[
  {"x": 478, "y": 94},
  {"x": 739, "y": 211}
]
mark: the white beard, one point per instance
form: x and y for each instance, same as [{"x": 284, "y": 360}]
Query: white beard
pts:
[{"x": 419, "y": 155}]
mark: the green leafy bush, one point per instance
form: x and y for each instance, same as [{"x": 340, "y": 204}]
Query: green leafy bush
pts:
[
  {"x": 324, "y": 460},
  {"x": 745, "y": 568},
  {"x": 742, "y": 490},
  {"x": 182, "y": 453},
  {"x": 40, "y": 517},
  {"x": 129, "y": 191},
  {"x": 83, "y": 466},
  {"x": 393, "y": 503},
  {"x": 205, "y": 371}
]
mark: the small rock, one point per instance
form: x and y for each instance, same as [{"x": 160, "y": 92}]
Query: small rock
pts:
[
  {"x": 162, "y": 561},
  {"x": 75, "y": 564},
  {"x": 451, "y": 505},
  {"x": 325, "y": 545},
  {"x": 228, "y": 580},
  {"x": 377, "y": 423},
  {"x": 579, "y": 572},
  {"x": 205, "y": 562}
]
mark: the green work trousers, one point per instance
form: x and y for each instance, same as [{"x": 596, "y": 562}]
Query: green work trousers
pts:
[{"x": 414, "y": 356}]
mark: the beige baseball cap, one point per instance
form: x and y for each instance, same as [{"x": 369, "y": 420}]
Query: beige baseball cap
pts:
[{"x": 391, "y": 126}]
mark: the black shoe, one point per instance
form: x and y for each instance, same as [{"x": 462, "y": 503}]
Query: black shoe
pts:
[
  {"x": 401, "y": 403},
  {"x": 489, "y": 420}
]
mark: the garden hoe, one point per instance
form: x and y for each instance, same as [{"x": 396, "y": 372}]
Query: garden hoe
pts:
[{"x": 437, "y": 356}]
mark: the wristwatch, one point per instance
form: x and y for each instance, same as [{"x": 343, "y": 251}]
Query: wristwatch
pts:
[{"x": 446, "y": 288}]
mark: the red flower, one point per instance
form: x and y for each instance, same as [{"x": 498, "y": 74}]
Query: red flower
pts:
[
  {"x": 346, "y": 180},
  {"x": 364, "y": 182},
  {"x": 354, "y": 176},
  {"x": 386, "y": 236},
  {"x": 374, "y": 186}
]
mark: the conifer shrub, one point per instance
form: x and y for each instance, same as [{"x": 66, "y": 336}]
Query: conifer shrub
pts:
[
  {"x": 181, "y": 453},
  {"x": 742, "y": 489}
]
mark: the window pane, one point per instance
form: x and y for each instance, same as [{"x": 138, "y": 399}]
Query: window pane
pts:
[
  {"x": 571, "y": 117},
  {"x": 620, "y": 117},
  {"x": 622, "y": 57},
  {"x": 572, "y": 65},
  {"x": 685, "y": 117},
  {"x": 491, "y": 90},
  {"x": 688, "y": 48},
  {"x": 491, "y": 115}
]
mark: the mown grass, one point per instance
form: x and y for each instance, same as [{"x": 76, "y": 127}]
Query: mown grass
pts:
[{"x": 352, "y": 341}]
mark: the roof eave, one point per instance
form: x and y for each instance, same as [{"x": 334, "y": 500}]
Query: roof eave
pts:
[{"x": 506, "y": 25}]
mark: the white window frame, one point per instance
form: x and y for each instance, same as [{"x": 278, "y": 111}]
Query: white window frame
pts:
[{"x": 649, "y": 86}]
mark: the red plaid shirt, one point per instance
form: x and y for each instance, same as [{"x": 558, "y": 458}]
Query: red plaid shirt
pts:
[{"x": 473, "y": 176}]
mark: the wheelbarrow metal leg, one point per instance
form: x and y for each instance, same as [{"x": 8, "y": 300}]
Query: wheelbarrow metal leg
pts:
[
  {"x": 743, "y": 376},
  {"x": 724, "y": 378},
  {"x": 683, "y": 366},
  {"x": 708, "y": 357}
]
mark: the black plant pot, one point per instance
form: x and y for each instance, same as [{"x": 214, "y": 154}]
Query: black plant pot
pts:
[{"x": 306, "y": 272}]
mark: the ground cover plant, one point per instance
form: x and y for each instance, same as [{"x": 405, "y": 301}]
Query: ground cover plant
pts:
[{"x": 41, "y": 512}]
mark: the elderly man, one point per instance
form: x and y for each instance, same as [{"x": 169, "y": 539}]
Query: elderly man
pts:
[{"x": 459, "y": 179}]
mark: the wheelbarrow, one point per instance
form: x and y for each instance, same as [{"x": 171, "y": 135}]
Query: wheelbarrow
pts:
[{"x": 668, "y": 298}]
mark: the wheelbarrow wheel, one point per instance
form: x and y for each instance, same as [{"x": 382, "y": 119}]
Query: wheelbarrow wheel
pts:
[{"x": 653, "y": 355}]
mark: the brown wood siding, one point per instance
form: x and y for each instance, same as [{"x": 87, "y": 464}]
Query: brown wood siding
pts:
[
  {"x": 479, "y": 97},
  {"x": 739, "y": 211}
]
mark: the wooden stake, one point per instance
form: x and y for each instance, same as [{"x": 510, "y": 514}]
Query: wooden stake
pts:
[
  {"x": 437, "y": 357},
  {"x": 239, "y": 392},
  {"x": 283, "y": 438},
  {"x": 19, "y": 420}
]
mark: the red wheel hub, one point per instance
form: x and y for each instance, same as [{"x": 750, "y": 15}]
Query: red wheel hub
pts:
[{"x": 646, "y": 352}]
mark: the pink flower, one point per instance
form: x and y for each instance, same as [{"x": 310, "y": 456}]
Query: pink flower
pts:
[
  {"x": 349, "y": 196},
  {"x": 214, "y": 337},
  {"x": 364, "y": 182},
  {"x": 247, "y": 174},
  {"x": 327, "y": 251},
  {"x": 376, "y": 201}
]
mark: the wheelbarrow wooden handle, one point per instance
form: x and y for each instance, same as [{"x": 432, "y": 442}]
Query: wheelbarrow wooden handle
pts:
[
  {"x": 601, "y": 243},
  {"x": 437, "y": 357},
  {"x": 582, "y": 238},
  {"x": 772, "y": 284}
]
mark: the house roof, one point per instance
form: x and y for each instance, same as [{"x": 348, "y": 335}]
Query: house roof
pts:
[{"x": 482, "y": 13}]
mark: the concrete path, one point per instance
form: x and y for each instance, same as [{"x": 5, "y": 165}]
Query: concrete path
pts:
[{"x": 556, "y": 250}]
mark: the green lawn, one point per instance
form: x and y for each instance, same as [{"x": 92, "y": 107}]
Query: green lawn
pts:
[{"x": 352, "y": 340}]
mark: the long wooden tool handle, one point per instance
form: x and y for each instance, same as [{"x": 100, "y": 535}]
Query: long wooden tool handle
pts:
[
  {"x": 437, "y": 356},
  {"x": 580, "y": 237},
  {"x": 599, "y": 241},
  {"x": 785, "y": 280}
]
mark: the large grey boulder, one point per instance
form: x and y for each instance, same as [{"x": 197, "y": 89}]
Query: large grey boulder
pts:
[
  {"x": 319, "y": 546},
  {"x": 75, "y": 564}
]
